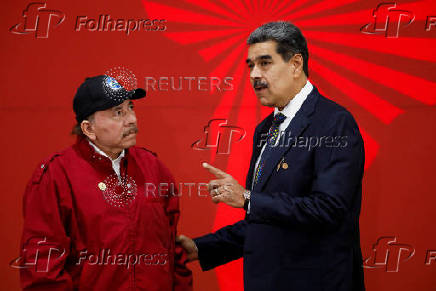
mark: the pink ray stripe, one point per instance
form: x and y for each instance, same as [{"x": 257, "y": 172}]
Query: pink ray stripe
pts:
[
  {"x": 208, "y": 5},
  {"x": 283, "y": 10},
  {"x": 420, "y": 8},
  {"x": 222, "y": 111},
  {"x": 358, "y": 17},
  {"x": 267, "y": 4},
  {"x": 380, "y": 108},
  {"x": 229, "y": 276},
  {"x": 237, "y": 6},
  {"x": 414, "y": 87},
  {"x": 371, "y": 148},
  {"x": 274, "y": 4},
  {"x": 227, "y": 101},
  {"x": 248, "y": 4},
  {"x": 224, "y": 67},
  {"x": 225, "y": 214},
  {"x": 265, "y": 111},
  {"x": 318, "y": 7},
  {"x": 188, "y": 37},
  {"x": 415, "y": 48},
  {"x": 184, "y": 16},
  {"x": 219, "y": 48},
  {"x": 240, "y": 155},
  {"x": 280, "y": 5}
]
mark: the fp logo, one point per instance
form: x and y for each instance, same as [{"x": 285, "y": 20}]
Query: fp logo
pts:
[
  {"x": 388, "y": 254},
  {"x": 388, "y": 20},
  {"x": 40, "y": 257},
  {"x": 219, "y": 135},
  {"x": 38, "y": 19}
]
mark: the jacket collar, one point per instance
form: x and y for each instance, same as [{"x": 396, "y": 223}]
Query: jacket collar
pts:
[{"x": 89, "y": 153}]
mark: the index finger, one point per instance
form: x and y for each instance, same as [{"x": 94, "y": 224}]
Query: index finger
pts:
[{"x": 217, "y": 172}]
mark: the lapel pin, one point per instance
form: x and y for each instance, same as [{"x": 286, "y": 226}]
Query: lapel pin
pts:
[
  {"x": 280, "y": 164},
  {"x": 285, "y": 165},
  {"x": 102, "y": 186}
]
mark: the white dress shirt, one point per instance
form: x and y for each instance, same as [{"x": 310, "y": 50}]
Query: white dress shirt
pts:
[{"x": 115, "y": 163}]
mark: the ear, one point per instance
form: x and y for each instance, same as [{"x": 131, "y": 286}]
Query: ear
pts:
[
  {"x": 297, "y": 64},
  {"x": 88, "y": 129}
]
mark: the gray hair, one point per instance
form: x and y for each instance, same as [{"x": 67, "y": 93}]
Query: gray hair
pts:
[{"x": 290, "y": 40}]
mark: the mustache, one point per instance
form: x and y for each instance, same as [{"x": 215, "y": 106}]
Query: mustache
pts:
[
  {"x": 130, "y": 131},
  {"x": 260, "y": 84}
]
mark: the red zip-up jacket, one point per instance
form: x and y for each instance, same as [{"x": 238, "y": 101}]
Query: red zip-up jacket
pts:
[{"x": 87, "y": 229}]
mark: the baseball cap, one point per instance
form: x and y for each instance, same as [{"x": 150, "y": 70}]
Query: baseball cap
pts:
[{"x": 101, "y": 93}]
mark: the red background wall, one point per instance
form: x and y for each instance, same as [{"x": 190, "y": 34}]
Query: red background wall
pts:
[{"x": 384, "y": 76}]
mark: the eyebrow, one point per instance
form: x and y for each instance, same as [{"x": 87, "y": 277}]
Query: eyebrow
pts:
[
  {"x": 118, "y": 107},
  {"x": 262, "y": 57}
]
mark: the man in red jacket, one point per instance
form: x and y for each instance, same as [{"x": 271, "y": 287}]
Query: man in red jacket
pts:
[{"x": 93, "y": 219}]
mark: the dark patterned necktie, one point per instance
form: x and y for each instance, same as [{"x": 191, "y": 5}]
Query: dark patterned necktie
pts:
[{"x": 273, "y": 134}]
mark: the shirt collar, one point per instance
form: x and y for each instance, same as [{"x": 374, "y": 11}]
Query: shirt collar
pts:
[
  {"x": 99, "y": 151},
  {"x": 296, "y": 102}
]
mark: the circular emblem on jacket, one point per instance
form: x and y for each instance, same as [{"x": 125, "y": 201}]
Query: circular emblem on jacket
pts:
[{"x": 119, "y": 192}]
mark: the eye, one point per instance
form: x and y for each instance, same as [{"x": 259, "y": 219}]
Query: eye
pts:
[
  {"x": 264, "y": 63},
  {"x": 118, "y": 112},
  {"x": 131, "y": 106}
]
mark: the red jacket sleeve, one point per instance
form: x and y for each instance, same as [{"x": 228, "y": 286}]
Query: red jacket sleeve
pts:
[
  {"x": 182, "y": 275},
  {"x": 44, "y": 245}
]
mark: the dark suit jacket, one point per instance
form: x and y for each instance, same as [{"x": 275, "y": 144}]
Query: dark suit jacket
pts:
[{"x": 302, "y": 232}]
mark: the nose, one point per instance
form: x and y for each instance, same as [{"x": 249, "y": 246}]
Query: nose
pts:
[
  {"x": 255, "y": 73},
  {"x": 130, "y": 117}
]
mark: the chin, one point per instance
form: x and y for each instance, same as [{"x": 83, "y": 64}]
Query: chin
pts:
[
  {"x": 265, "y": 102},
  {"x": 131, "y": 141}
]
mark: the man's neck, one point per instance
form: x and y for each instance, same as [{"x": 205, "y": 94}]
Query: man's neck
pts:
[{"x": 300, "y": 83}]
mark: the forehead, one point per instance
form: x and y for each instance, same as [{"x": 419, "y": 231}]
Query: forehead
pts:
[
  {"x": 110, "y": 111},
  {"x": 262, "y": 49},
  {"x": 125, "y": 103}
]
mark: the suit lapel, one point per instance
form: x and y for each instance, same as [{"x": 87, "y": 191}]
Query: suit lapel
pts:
[
  {"x": 259, "y": 134},
  {"x": 300, "y": 121}
]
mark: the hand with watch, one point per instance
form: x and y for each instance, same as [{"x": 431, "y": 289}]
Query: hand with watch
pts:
[{"x": 226, "y": 189}]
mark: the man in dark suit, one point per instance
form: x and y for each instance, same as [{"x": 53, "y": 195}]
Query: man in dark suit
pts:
[{"x": 304, "y": 186}]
